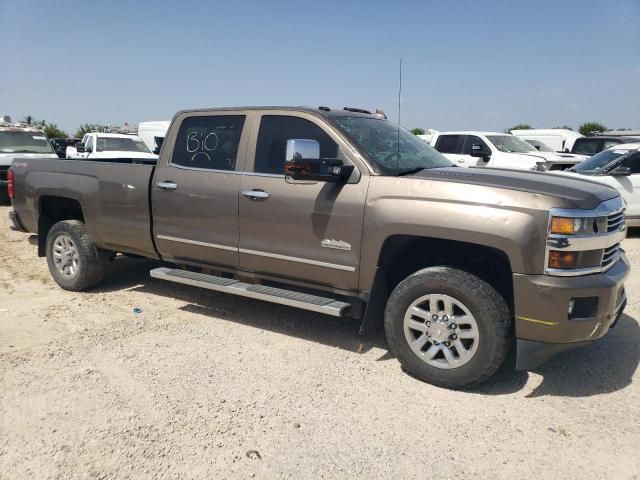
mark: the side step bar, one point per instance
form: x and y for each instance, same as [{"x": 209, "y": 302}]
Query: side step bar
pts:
[{"x": 305, "y": 301}]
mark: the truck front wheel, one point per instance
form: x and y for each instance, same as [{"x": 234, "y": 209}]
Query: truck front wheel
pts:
[
  {"x": 447, "y": 327},
  {"x": 74, "y": 260}
]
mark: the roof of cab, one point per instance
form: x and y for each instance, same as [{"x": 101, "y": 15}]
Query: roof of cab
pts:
[{"x": 324, "y": 111}]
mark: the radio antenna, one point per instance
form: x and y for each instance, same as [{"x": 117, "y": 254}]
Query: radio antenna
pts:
[
  {"x": 399, "y": 94},
  {"x": 399, "y": 116}
]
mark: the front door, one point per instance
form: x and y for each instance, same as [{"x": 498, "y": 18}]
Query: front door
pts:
[
  {"x": 465, "y": 159},
  {"x": 195, "y": 191},
  {"x": 308, "y": 231}
]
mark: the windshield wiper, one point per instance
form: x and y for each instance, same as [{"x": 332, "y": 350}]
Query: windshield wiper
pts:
[{"x": 410, "y": 171}]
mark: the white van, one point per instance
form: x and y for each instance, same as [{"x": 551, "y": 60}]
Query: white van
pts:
[
  {"x": 152, "y": 133},
  {"x": 559, "y": 139}
]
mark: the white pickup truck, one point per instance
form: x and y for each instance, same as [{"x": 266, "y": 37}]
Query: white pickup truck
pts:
[
  {"x": 618, "y": 167},
  {"x": 110, "y": 145},
  {"x": 17, "y": 140},
  {"x": 498, "y": 150}
]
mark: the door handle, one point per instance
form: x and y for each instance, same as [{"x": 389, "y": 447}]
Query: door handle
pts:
[
  {"x": 167, "y": 185},
  {"x": 256, "y": 194}
]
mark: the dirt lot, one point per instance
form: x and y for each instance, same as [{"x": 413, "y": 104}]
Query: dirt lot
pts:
[{"x": 203, "y": 385}]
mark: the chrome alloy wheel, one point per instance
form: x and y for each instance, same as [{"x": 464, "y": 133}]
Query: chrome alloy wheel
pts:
[
  {"x": 65, "y": 256},
  {"x": 441, "y": 331}
]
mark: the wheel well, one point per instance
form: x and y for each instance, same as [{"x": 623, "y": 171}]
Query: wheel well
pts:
[
  {"x": 51, "y": 211},
  {"x": 403, "y": 255}
]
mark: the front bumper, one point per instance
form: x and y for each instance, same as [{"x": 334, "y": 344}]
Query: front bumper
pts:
[{"x": 542, "y": 320}]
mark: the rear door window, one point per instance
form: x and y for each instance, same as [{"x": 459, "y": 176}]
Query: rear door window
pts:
[
  {"x": 208, "y": 142},
  {"x": 633, "y": 162},
  {"x": 449, "y": 143}
]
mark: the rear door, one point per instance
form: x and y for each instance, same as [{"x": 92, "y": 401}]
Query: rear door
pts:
[
  {"x": 450, "y": 145},
  {"x": 195, "y": 189},
  {"x": 309, "y": 231}
]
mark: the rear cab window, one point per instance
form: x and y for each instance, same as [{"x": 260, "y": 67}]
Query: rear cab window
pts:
[
  {"x": 449, "y": 143},
  {"x": 208, "y": 142}
]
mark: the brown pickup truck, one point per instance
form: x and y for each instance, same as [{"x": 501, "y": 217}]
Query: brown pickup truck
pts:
[{"x": 344, "y": 213}]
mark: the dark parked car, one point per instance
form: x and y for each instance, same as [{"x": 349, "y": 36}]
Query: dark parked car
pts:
[
  {"x": 598, "y": 143},
  {"x": 60, "y": 145}
]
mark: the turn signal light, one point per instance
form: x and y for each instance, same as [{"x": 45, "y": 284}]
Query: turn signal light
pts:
[
  {"x": 564, "y": 225},
  {"x": 563, "y": 260}
]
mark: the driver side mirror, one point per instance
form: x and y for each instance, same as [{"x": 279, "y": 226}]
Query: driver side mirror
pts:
[
  {"x": 80, "y": 148},
  {"x": 303, "y": 162},
  {"x": 620, "y": 172},
  {"x": 479, "y": 152}
]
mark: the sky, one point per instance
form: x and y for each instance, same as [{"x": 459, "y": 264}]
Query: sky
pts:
[{"x": 472, "y": 65}]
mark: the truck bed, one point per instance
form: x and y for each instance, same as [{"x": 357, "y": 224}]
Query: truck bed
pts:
[{"x": 114, "y": 194}]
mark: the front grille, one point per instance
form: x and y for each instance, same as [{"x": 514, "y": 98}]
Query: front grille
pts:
[
  {"x": 3, "y": 172},
  {"x": 615, "y": 221},
  {"x": 610, "y": 256}
]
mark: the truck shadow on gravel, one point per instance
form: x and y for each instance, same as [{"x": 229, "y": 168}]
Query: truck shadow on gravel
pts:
[
  {"x": 605, "y": 366},
  {"x": 133, "y": 274}
]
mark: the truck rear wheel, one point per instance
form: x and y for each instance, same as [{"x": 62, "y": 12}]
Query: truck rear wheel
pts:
[
  {"x": 74, "y": 260},
  {"x": 447, "y": 327}
]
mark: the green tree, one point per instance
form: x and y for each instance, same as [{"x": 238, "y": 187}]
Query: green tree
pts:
[
  {"x": 520, "y": 126},
  {"x": 88, "y": 128},
  {"x": 417, "y": 131},
  {"x": 51, "y": 130},
  {"x": 589, "y": 128},
  {"x": 565, "y": 127}
]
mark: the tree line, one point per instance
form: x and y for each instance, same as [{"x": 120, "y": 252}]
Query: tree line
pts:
[
  {"x": 587, "y": 128},
  {"x": 51, "y": 130}
]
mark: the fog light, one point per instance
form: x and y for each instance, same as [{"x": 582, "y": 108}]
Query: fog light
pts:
[{"x": 562, "y": 260}]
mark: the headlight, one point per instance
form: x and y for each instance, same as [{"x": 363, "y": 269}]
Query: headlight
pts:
[{"x": 575, "y": 226}]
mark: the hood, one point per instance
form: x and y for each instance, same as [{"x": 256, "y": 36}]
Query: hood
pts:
[{"x": 585, "y": 194}]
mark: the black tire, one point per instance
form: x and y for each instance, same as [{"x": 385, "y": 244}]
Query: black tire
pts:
[
  {"x": 487, "y": 306},
  {"x": 92, "y": 262}
]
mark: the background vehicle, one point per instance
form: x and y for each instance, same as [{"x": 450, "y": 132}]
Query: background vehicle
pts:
[
  {"x": 346, "y": 214},
  {"x": 597, "y": 143},
  {"x": 559, "y": 139},
  {"x": 60, "y": 145},
  {"x": 153, "y": 133},
  {"x": 498, "y": 150},
  {"x": 619, "y": 167},
  {"x": 110, "y": 145},
  {"x": 17, "y": 140}
]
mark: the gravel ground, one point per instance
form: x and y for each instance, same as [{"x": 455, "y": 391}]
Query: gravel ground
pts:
[{"x": 203, "y": 385}]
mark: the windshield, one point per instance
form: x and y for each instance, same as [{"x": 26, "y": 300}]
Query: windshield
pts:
[
  {"x": 511, "y": 144},
  {"x": 393, "y": 149},
  {"x": 598, "y": 162},
  {"x": 16, "y": 141},
  {"x": 117, "y": 144},
  {"x": 541, "y": 147}
]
